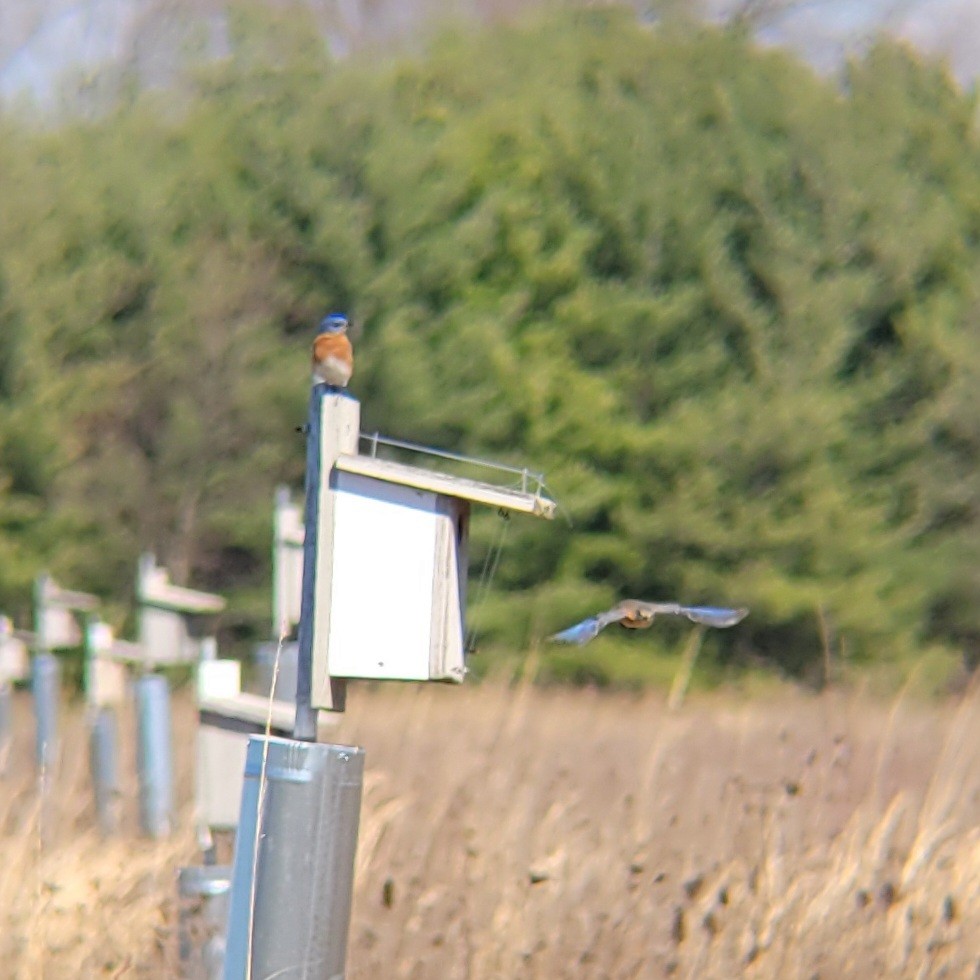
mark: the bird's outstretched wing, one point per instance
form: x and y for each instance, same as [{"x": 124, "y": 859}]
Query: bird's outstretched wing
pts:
[
  {"x": 716, "y": 616},
  {"x": 589, "y": 628}
]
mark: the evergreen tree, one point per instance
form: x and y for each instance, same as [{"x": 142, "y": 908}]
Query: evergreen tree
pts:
[{"x": 728, "y": 307}]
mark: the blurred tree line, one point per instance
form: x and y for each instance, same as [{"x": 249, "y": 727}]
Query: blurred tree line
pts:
[{"x": 729, "y": 307}]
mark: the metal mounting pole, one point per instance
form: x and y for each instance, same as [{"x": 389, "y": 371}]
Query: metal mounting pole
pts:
[
  {"x": 6, "y": 724},
  {"x": 104, "y": 755},
  {"x": 153, "y": 755},
  {"x": 293, "y": 870},
  {"x": 293, "y": 874},
  {"x": 45, "y": 686},
  {"x": 201, "y": 919}
]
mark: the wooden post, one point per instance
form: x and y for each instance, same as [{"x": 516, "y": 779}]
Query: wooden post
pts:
[{"x": 333, "y": 428}]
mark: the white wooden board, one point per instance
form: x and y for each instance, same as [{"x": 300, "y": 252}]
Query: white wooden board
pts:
[{"x": 382, "y": 580}]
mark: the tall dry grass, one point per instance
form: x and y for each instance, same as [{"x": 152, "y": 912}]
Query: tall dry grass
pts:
[
  {"x": 546, "y": 834},
  {"x": 71, "y": 904}
]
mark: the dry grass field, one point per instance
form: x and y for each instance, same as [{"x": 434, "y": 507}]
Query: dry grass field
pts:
[{"x": 545, "y": 834}]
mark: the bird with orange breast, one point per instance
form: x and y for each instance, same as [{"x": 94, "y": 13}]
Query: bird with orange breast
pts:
[
  {"x": 333, "y": 356},
  {"x": 637, "y": 615}
]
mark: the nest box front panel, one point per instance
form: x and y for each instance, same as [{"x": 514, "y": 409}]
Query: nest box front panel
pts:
[
  {"x": 380, "y": 588},
  {"x": 163, "y": 637}
]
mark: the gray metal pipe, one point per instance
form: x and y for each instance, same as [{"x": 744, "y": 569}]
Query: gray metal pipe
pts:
[
  {"x": 285, "y": 676},
  {"x": 104, "y": 759},
  {"x": 293, "y": 877},
  {"x": 46, "y": 688},
  {"x": 154, "y": 757},
  {"x": 6, "y": 724},
  {"x": 201, "y": 920}
]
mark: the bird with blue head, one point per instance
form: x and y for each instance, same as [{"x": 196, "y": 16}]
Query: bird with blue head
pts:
[
  {"x": 637, "y": 615},
  {"x": 333, "y": 356}
]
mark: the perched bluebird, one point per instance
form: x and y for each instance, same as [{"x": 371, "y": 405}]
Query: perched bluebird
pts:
[
  {"x": 333, "y": 356},
  {"x": 636, "y": 615}
]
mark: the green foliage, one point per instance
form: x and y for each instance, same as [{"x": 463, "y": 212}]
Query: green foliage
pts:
[{"x": 730, "y": 309}]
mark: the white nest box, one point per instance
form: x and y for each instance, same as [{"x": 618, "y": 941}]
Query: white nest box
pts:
[
  {"x": 15, "y": 663},
  {"x": 55, "y": 614},
  {"x": 106, "y": 665},
  {"x": 287, "y": 564},
  {"x": 169, "y": 616},
  {"x": 390, "y": 551}
]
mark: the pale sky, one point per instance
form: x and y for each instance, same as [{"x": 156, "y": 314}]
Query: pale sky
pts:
[
  {"x": 825, "y": 30},
  {"x": 40, "y": 39}
]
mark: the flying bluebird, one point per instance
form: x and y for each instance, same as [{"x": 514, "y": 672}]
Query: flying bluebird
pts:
[
  {"x": 636, "y": 615},
  {"x": 333, "y": 356}
]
